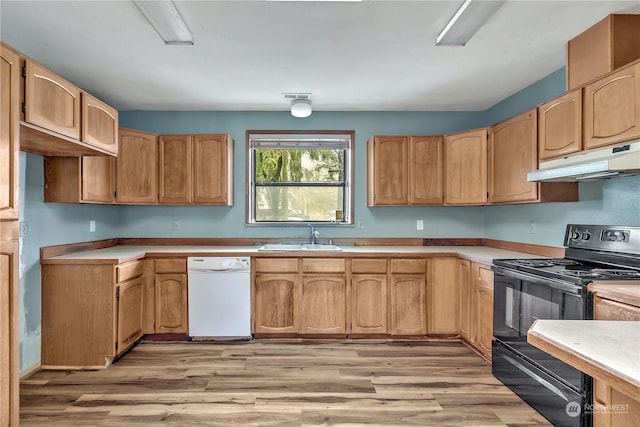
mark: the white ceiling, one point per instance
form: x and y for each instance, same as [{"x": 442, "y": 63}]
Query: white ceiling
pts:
[{"x": 368, "y": 56}]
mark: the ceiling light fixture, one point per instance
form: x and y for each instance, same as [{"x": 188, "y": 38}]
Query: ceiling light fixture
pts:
[
  {"x": 472, "y": 15},
  {"x": 300, "y": 104},
  {"x": 166, "y": 20}
]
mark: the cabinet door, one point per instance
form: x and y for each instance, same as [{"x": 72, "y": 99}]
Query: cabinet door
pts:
[
  {"x": 9, "y": 375},
  {"x": 129, "y": 313},
  {"x": 465, "y": 299},
  {"x": 560, "y": 126},
  {"x": 484, "y": 308},
  {"x": 51, "y": 101},
  {"x": 425, "y": 161},
  {"x": 99, "y": 124},
  {"x": 613, "y": 310},
  {"x": 465, "y": 168},
  {"x": 369, "y": 303},
  {"x": 443, "y": 296},
  {"x": 323, "y": 304},
  {"x": 175, "y": 153},
  {"x": 98, "y": 179},
  {"x": 388, "y": 172},
  {"x": 212, "y": 170},
  {"x": 171, "y": 303},
  {"x": 408, "y": 313},
  {"x": 513, "y": 153},
  {"x": 276, "y": 303},
  {"x": 9, "y": 133},
  {"x": 137, "y": 168},
  {"x": 612, "y": 108}
]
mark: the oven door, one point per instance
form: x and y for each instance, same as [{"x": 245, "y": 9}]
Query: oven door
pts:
[{"x": 520, "y": 299}]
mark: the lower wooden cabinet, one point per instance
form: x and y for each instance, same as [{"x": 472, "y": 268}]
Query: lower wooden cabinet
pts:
[
  {"x": 476, "y": 306},
  {"x": 443, "y": 297},
  {"x": 611, "y": 407},
  {"x": 171, "y": 306},
  {"x": 276, "y": 303},
  {"x": 91, "y": 313},
  {"x": 407, "y": 292},
  {"x": 323, "y": 304},
  {"x": 466, "y": 314},
  {"x": 369, "y": 303},
  {"x": 9, "y": 338}
]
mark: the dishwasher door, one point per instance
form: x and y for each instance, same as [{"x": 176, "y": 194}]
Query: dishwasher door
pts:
[{"x": 219, "y": 298}]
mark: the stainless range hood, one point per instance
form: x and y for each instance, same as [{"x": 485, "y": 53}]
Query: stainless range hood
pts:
[{"x": 591, "y": 165}]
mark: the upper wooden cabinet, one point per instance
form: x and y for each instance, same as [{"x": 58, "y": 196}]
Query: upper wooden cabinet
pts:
[
  {"x": 404, "y": 170},
  {"x": 80, "y": 179},
  {"x": 9, "y": 133},
  {"x": 51, "y": 101},
  {"x": 612, "y": 108},
  {"x": 137, "y": 167},
  {"x": 560, "y": 126},
  {"x": 196, "y": 169},
  {"x": 99, "y": 124},
  {"x": 512, "y": 155},
  {"x": 606, "y": 46},
  {"x": 388, "y": 171},
  {"x": 465, "y": 168}
]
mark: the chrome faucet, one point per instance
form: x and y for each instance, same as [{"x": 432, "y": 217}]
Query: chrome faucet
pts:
[{"x": 314, "y": 234}]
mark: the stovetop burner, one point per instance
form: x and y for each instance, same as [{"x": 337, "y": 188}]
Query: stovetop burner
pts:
[{"x": 569, "y": 269}]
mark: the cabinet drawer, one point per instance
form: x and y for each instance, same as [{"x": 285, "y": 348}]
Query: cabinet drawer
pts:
[
  {"x": 369, "y": 266},
  {"x": 177, "y": 265},
  {"x": 485, "y": 275},
  {"x": 612, "y": 310},
  {"x": 129, "y": 271},
  {"x": 408, "y": 265},
  {"x": 276, "y": 265},
  {"x": 323, "y": 265}
]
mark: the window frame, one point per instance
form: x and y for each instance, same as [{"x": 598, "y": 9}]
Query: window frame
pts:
[{"x": 250, "y": 182}]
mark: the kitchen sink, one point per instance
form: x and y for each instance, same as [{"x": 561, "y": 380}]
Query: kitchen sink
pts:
[{"x": 299, "y": 247}]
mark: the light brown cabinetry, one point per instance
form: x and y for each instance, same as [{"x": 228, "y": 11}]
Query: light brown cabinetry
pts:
[
  {"x": 512, "y": 155},
  {"x": 443, "y": 296},
  {"x": 407, "y": 296},
  {"x": 614, "y": 407},
  {"x": 171, "y": 305},
  {"x": 323, "y": 296},
  {"x": 196, "y": 169},
  {"x": 560, "y": 126},
  {"x": 612, "y": 108},
  {"x": 466, "y": 308},
  {"x": 90, "y": 313},
  {"x": 484, "y": 308},
  {"x": 369, "y": 296},
  {"x": 465, "y": 168},
  {"x": 9, "y": 332},
  {"x": 50, "y": 101},
  {"x": 404, "y": 170},
  {"x": 9, "y": 133},
  {"x": 137, "y": 168},
  {"x": 89, "y": 179},
  {"x": 604, "y": 47},
  {"x": 276, "y": 293},
  {"x": 99, "y": 124}
]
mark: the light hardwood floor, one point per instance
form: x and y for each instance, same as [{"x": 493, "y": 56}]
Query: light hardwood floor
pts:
[{"x": 279, "y": 385}]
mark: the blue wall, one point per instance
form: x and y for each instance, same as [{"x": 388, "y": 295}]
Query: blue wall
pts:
[{"x": 614, "y": 201}]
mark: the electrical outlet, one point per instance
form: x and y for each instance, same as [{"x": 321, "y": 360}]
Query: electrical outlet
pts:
[
  {"x": 361, "y": 224},
  {"x": 24, "y": 228},
  {"x": 532, "y": 227},
  {"x": 176, "y": 225},
  {"x": 92, "y": 226},
  {"x": 419, "y": 224}
]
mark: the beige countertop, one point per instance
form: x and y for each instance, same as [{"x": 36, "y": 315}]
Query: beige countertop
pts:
[
  {"x": 124, "y": 253},
  {"x": 608, "y": 350}
]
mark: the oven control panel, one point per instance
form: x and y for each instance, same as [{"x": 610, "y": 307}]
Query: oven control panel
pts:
[{"x": 603, "y": 237}]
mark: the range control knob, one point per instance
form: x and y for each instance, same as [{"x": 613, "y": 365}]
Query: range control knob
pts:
[
  {"x": 586, "y": 235},
  {"x": 575, "y": 235}
]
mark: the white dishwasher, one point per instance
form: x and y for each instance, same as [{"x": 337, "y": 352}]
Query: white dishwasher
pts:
[{"x": 219, "y": 298}]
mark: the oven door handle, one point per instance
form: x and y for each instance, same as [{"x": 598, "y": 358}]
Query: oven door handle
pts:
[
  {"x": 540, "y": 280},
  {"x": 555, "y": 390}
]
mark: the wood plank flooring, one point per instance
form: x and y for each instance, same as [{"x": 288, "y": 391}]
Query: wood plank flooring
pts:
[{"x": 279, "y": 385}]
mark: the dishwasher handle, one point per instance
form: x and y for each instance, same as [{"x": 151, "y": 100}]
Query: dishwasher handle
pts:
[{"x": 217, "y": 270}]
